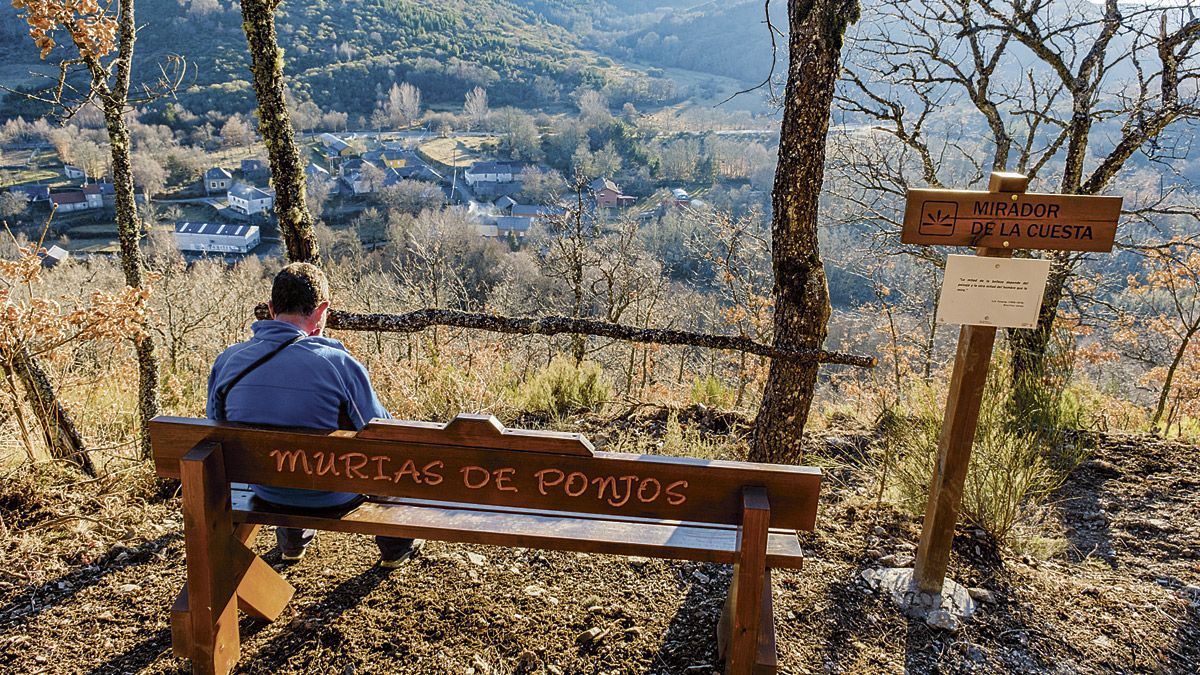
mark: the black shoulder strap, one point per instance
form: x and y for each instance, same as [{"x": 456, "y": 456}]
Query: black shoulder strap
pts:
[{"x": 223, "y": 391}]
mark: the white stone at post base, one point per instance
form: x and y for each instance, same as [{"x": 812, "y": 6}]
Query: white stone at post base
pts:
[{"x": 946, "y": 611}]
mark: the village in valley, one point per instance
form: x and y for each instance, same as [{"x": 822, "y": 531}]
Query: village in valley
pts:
[
  {"x": 549, "y": 337},
  {"x": 227, "y": 210}
]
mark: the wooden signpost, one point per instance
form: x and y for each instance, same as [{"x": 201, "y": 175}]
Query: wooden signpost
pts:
[
  {"x": 1006, "y": 217},
  {"x": 997, "y": 222}
]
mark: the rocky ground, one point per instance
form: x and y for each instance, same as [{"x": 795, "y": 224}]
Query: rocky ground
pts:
[{"x": 89, "y": 570}]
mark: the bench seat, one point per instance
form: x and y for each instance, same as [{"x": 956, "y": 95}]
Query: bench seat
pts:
[{"x": 525, "y": 528}]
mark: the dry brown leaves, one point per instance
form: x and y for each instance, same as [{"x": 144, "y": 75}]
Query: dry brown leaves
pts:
[
  {"x": 41, "y": 324},
  {"x": 90, "y": 26}
]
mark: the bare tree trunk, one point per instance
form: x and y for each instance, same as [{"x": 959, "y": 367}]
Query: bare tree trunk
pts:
[
  {"x": 801, "y": 294},
  {"x": 578, "y": 342},
  {"x": 1029, "y": 346},
  {"x": 931, "y": 334},
  {"x": 58, "y": 429},
  {"x": 1169, "y": 378},
  {"x": 275, "y": 126},
  {"x": 115, "y": 101}
]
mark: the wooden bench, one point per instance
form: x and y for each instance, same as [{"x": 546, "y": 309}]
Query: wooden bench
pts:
[{"x": 473, "y": 481}]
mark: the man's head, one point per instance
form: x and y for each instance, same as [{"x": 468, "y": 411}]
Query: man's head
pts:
[{"x": 300, "y": 296}]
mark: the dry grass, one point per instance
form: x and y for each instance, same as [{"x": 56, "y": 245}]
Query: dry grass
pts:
[{"x": 456, "y": 152}]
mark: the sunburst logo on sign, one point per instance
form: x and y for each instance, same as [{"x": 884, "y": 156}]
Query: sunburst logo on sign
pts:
[{"x": 937, "y": 218}]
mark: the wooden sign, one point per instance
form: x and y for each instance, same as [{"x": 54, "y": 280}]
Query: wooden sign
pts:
[
  {"x": 1010, "y": 220},
  {"x": 1003, "y": 219}
]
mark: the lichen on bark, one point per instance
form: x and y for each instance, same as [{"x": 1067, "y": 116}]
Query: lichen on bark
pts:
[
  {"x": 111, "y": 86},
  {"x": 275, "y": 127},
  {"x": 62, "y": 437}
]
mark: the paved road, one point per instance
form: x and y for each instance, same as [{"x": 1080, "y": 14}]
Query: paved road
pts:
[{"x": 211, "y": 201}]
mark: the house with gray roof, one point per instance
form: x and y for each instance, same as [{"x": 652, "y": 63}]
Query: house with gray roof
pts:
[
  {"x": 54, "y": 256},
  {"x": 217, "y": 180},
  {"x": 513, "y": 226},
  {"x": 538, "y": 213},
  {"x": 249, "y": 200},
  {"x": 506, "y": 203},
  {"x": 420, "y": 171},
  {"x": 255, "y": 170},
  {"x": 492, "y": 172},
  {"x": 34, "y": 193},
  {"x": 334, "y": 143}
]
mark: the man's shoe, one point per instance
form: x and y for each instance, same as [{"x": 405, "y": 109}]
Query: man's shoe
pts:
[
  {"x": 398, "y": 560},
  {"x": 292, "y": 556}
]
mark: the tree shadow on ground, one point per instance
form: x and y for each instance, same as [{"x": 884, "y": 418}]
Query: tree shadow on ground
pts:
[
  {"x": 1186, "y": 655},
  {"x": 859, "y": 621},
  {"x": 139, "y": 657},
  {"x": 852, "y": 604},
  {"x": 313, "y": 625},
  {"x": 691, "y": 637},
  {"x": 1087, "y": 528},
  {"x": 1003, "y": 635},
  {"x": 55, "y": 592}
]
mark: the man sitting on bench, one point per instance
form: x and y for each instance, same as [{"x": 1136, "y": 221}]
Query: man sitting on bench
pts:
[{"x": 288, "y": 375}]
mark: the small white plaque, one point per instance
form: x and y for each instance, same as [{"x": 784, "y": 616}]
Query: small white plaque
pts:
[{"x": 1001, "y": 292}]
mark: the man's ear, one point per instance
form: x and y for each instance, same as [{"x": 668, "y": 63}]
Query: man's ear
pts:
[
  {"x": 318, "y": 318},
  {"x": 271, "y": 309}
]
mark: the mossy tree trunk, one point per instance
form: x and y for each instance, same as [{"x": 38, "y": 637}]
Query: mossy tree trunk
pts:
[
  {"x": 1030, "y": 347},
  {"x": 801, "y": 294},
  {"x": 113, "y": 95},
  {"x": 275, "y": 127},
  {"x": 576, "y": 262}
]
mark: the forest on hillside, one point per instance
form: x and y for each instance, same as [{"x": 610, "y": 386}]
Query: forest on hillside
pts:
[{"x": 342, "y": 55}]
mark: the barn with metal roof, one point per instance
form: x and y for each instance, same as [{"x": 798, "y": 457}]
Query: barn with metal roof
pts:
[{"x": 216, "y": 237}]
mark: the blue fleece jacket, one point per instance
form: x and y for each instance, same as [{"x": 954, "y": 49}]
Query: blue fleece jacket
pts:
[{"x": 309, "y": 384}]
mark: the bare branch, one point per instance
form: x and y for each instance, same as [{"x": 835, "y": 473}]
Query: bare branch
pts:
[{"x": 421, "y": 319}]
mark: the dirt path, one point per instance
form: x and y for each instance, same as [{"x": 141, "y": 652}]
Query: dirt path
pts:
[{"x": 91, "y": 594}]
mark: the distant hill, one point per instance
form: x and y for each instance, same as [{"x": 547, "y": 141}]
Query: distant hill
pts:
[
  {"x": 723, "y": 38},
  {"x": 345, "y": 54}
]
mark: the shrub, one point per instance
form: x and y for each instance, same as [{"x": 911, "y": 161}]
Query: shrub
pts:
[
  {"x": 1011, "y": 472},
  {"x": 710, "y": 392},
  {"x": 1049, "y": 406},
  {"x": 563, "y": 388},
  {"x": 679, "y": 440}
]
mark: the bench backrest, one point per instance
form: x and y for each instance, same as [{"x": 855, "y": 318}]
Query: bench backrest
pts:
[{"x": 475, "y": 460}]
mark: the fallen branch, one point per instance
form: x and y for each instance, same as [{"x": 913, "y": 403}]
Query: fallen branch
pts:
[
  {"x": 558, "y": 325},
  {"x": 62, "y": 437}
]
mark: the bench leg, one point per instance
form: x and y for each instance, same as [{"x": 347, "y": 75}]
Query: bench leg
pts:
[
  {"x": 211, "y": 639},
  {"x": 767, "y": 662},
  {"x": 743, "y": 624},
  {"x": 261, "y": 592}
]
